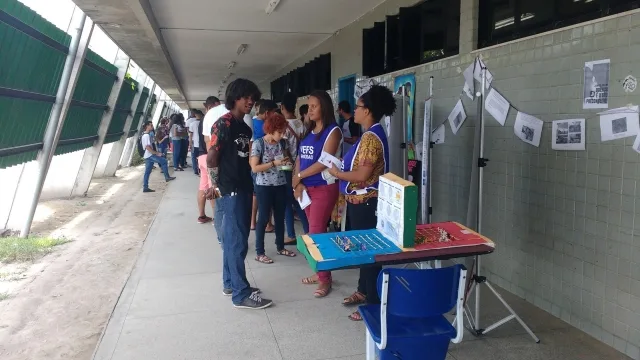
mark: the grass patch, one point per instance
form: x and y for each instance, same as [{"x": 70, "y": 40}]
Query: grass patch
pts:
[
  {"x": 14, "y": 249},
  {"x": 4, "y": 296}
]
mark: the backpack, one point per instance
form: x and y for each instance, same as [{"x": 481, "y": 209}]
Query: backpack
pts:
[{"x": 139, "y": 146}]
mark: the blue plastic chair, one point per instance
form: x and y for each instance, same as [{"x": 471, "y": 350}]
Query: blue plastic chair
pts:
[{"x": 409, "y": 323}]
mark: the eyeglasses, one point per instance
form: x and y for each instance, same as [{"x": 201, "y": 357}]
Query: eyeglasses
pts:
[{"x": 360, "y": 106}]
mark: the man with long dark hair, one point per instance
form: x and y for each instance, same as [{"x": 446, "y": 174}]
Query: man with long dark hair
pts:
[{"x": 230, "y": 175}]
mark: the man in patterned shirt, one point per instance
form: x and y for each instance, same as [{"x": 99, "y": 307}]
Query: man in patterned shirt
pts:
[{"x": 230, "y": 175}]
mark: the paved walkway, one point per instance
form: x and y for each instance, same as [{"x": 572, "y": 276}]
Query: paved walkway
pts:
[{"x": 172, "y": 307}]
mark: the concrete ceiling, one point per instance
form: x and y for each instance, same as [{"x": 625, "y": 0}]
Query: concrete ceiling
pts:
[{"x": 186, "y": 45}]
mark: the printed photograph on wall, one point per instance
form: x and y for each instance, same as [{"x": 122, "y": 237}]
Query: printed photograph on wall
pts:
[
  {"x": 457, "y": 117},
  {"x": 528, "y": 128},
  {"x": 619, "y": 123},
  {"x": 596, "y": 84},
  {"x": 408, "y": 84},
  {"x": 568, "y": 134}
]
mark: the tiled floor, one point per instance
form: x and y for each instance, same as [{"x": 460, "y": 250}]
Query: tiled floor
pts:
[{"x": 172, "y": 307}]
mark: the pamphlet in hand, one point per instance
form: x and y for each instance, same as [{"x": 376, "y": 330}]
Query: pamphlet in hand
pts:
[
  {"x": 329, "y": 160},
  {"x": 304, "y": 200}
]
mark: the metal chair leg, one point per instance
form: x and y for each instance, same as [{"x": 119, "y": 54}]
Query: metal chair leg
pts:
[{"x": 371, "y": 347}]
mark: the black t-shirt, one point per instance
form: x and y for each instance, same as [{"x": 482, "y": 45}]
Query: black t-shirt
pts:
[
  {"x": 202, "y": 146},
  {"x": 354, "y": 129},
  {"x": 231, "y": 137}
]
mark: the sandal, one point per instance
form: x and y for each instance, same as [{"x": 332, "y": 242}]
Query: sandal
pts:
[
  {"x": 356, "y": 298},
  {"x": 287, "y": 253},
  {"x": 291, "y": 242},
  {"x": 311, "y": 280},
  {"x": 322, "y": 291},
  {"x": 264, "y": 259},
  {"x": 355, "y": 316}
]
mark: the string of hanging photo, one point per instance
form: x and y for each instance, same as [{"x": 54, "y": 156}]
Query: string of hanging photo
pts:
[{"x": 567, "y": 134}]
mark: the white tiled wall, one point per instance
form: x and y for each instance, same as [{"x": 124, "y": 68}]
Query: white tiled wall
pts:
[{"x": 566, "y": 224}]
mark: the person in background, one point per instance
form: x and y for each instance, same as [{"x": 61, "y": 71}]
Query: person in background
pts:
[
  {"x": 350, "y": 129},
  {"x": 150, "y": 157},
  {"x": 265, "y": 108},
  {"x": 162, "y": 136},
  {"x": 257, "y": 122},
  {"x": 304, "y": 115},
  {"x": 194, "y": 139},
  {"x": 191, "y": 119},
  {"x": 293, "y": 133},
  {"x": 268, "y": 155},
  {"x": 176, "y": 133},
  {"x": 230, "y": 175},
  {"x": 184, "y": 149},
  {"x": 362, "y": 167},
  {"x": 323, "y": 134}
]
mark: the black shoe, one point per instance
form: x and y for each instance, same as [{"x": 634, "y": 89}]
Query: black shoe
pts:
[
  {"x": 229, "y": 292},
  {"x": 147, "y": 190},
  {"x": 170, "y": 178},
  {"x": 254, "y": 302}
]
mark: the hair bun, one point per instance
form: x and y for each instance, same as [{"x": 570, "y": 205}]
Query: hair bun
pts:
[{"x": 383, "y": 98}]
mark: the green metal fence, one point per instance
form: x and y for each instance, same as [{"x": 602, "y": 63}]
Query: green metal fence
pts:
[
  {"x": 139, "y": 110},
  {"x": 93, "y": 87},
  {"x": 32, "y": 66},
  {"x": 32, "y": 56},
  {"x": 122, "y": 110}
]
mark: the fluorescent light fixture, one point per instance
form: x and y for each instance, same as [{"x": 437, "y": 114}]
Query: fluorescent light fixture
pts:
[
  {"x": 231, "y": 65},
  {"x": 271, "y": 6},
  {"x": 242, "y": 48}
]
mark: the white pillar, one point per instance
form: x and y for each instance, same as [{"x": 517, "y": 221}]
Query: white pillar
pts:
[
  {"x": 73, "y": 65},
  {"x": 91, "y": 155},
  {"x": 118, "y": 146}
]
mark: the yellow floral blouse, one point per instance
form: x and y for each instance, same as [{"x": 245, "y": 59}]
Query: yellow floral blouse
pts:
[{"x": 370, "y": 153}]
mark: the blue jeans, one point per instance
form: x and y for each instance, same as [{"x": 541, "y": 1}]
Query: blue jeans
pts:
[
  {"x": 270, "y": 198},
  {"x": 194, "y": 160},
  {"x": 291, "y": 206},
  {"x": 184, "y": 150},
  {"x": 237, "y": 216},
  {"x": 164, "y": 147},
  {"x": 148, "y": 165},
  {"x": 177, "y": 148},
  {"x": 218, "y": 216}
]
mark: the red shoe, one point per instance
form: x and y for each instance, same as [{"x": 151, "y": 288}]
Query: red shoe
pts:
[{"x": 204, "y": 219}]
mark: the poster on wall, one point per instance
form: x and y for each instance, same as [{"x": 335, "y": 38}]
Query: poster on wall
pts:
[
  {"x": 528, "y": 128},
  {"x": 408, "y": 84},
  {"x": 362, "y": 87},
  {"x": 457, "y": 117},
  {"x": 568, "y": 134},
  {"x": 619, "y": 123},
  {"x": 636, "y": 144},
  {"x": 497, "y": 106},
  {"x": 596, "y": 84}
]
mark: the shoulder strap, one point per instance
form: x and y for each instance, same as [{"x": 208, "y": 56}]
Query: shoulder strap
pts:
[{"x": 293, "y": 132}]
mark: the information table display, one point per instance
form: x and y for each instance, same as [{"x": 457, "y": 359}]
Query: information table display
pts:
[{"x": 446, "y": 240}]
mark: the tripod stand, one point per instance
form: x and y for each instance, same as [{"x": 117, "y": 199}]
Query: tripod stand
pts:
[{"x": 476, "y": 279}]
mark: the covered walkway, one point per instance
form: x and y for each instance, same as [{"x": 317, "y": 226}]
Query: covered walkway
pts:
[{"x": 172, "y": 307}]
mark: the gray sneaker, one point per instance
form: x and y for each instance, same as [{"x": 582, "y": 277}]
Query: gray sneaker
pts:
[
  {"x": 229, "y": 292},
  {"x": 254, "y": 302}
]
